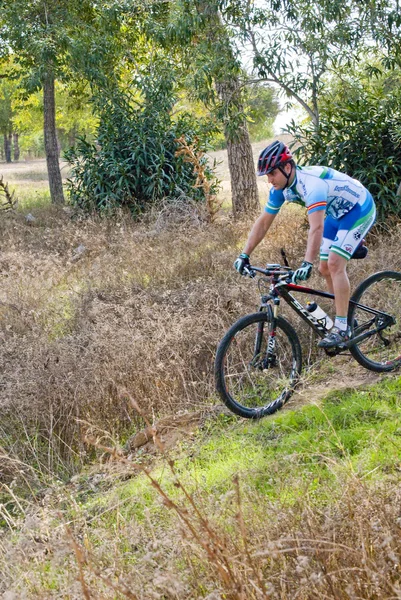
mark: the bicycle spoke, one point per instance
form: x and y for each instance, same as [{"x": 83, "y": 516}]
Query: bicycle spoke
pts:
[
  {"x": 382, "y": 350},
  {"x": 255, "y": 376}
]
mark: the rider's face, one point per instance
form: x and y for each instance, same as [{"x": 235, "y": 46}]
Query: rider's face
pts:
[{"x": 277, "y": 179}]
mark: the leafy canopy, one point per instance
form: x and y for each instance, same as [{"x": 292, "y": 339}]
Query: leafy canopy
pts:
[{"x": 360, "y": 133}]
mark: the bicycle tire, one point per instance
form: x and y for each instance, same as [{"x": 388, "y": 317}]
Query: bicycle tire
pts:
[
  {"x": 381, "y": 352},
  {"x": 240, "y": 355}
]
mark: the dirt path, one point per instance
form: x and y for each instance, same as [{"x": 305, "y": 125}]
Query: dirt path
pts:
[
  {"x": 29, "y": 172},
  {"x": 171, "y": 429},
  {"x": 223, "y": 173}
]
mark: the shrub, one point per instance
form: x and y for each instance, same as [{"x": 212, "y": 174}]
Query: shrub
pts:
[
  {"x": 359, "y": 134},
  {"x": 134, "y": 163}
]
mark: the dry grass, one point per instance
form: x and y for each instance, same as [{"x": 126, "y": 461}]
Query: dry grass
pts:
[
  {"x": 86, "y": 306},
  {"x": 237, "y": 546},
  {"x": 143, "y": 306}
]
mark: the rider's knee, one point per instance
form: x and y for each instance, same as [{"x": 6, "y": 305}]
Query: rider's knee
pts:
[
  {"x": 324, "y": 268},
  {"x": 336, "y": 263}
]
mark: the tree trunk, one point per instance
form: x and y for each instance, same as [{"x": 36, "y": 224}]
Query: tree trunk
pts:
[
  {"x": 244, "y": 189},
  {"x": 51, "y": 145},
  {"x": 7, "y": 147},
  {"x": 16, "y": 146}
]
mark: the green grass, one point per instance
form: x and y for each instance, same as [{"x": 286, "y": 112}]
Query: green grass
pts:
[
  {"x": 32, "y": 197},
  {"x": 305, "y": 457},
  {"x": 296, "y": 453}
]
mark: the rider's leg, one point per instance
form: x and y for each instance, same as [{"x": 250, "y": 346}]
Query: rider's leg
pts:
[
  {"x": 324, "y": 270},
  {"x": 337, "y": 266},
  {"x": 329, "y": 234},
  {"x": 336, "y": 250}
]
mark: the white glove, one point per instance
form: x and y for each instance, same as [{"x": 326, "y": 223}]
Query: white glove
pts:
[{"x": 303, "y": 273}]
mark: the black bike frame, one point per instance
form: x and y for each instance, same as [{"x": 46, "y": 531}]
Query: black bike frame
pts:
[{"x": 281, "y": 289}]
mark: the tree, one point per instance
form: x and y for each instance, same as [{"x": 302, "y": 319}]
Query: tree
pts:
[
  {"x": 382, "y": 22},
  {"x": 263, "y": 108},
  {"x": 294, "y": 44},
  {"x": 6, "y": 114},
  {"x": 48, "y": 40},
  {"x": 360, "y": 133},
  {"x": 214, "y": 74}
]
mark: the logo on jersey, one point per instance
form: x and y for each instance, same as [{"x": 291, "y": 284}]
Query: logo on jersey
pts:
[
  {"x": 347, "y": 189},
  {"x": 337, "y": 207},
  {"x": 292, "y": 196}
]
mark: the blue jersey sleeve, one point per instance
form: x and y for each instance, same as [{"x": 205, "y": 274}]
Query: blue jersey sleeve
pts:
[{"x": 274, "y": 202}]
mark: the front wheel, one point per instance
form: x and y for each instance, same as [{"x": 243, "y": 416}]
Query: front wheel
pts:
[
  {"x": 380, "y": 352},
  {"x": 256, "y": 369}
]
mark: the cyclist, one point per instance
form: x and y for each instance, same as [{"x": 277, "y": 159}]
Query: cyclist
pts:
[{"x": 340, "y": 212}]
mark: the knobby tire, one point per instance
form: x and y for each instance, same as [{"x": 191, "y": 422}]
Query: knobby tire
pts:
[
  {"x": 382, "y": 351},
  {"x": 245, "y": 387}
]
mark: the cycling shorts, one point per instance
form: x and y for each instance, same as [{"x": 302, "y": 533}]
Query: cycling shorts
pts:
[{"x": 343, "y": 236}]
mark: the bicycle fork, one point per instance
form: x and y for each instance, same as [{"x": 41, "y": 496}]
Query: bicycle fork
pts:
[{"x": 269, "y": 359}]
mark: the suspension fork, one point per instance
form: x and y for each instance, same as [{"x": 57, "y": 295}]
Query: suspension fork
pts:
[
  {"x": 272, "y": 314},
  {"x": 271, "y": 341}
]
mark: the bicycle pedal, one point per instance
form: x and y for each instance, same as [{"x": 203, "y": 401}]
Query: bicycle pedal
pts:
[{"x": 334, "y": 351}]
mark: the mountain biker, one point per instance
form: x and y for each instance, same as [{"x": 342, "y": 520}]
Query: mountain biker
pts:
[{"x": 340, "y": 212}]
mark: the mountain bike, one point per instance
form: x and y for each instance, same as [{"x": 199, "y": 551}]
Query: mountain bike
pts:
[{"x": 259, "y": 360}]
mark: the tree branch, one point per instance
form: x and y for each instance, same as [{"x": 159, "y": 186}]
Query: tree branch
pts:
[{"x": 279, "y": 82}]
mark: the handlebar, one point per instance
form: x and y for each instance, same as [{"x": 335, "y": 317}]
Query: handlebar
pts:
[{"x": 271, "y": 270}]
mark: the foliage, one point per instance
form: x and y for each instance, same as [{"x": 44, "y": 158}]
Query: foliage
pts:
[
  {"x": 135, "y": 161},
  {"x": 198, "y": 159},
  {"x": 293, "y": 44},
  {"x": 8, "y": 201},
  {"x": 74, "y": 117},
  {"x": 382, "y": 20},
  {"x": 359, "y": 133},
  {"x": 262, "y": 111},
  {"x": 209, "y": 57},
  {"x": 6, "y": 112}
]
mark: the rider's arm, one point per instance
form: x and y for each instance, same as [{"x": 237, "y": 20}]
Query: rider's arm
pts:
[
  {"x": 258, "y": 231},
  {"x": 316, "y": 222},
  {"x": 262, "y": 224}
]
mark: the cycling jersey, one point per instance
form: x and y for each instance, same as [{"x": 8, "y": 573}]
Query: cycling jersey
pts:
[{"x": 320, "y": 188}]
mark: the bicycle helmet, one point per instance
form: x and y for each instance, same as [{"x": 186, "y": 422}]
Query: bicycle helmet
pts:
[{"x": 276, "y": 155}]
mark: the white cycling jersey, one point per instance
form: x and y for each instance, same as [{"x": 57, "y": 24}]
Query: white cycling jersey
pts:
[{"x": 320, "y": 188}]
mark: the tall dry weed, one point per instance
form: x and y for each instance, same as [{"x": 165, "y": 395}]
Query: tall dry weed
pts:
[
  {"x": 239, "y": 546},
  {"x": 142, "y": 306}
]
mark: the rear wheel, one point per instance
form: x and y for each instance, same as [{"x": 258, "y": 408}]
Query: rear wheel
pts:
[
  {"x": 256, "y": 370},
  {"x": 381, "y": 291}
]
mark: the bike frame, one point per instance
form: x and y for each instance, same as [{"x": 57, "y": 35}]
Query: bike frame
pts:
[
  {"x": 280, "y": 287},
  {"x": 283, "y": 290}
]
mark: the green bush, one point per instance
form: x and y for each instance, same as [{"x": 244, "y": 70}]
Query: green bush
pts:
[
  {"x": 359, "y": 133},
  {"x": 133, "y": 162}
]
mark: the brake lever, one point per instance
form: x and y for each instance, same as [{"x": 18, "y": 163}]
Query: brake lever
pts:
[{"x": 249, "y": 272}]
